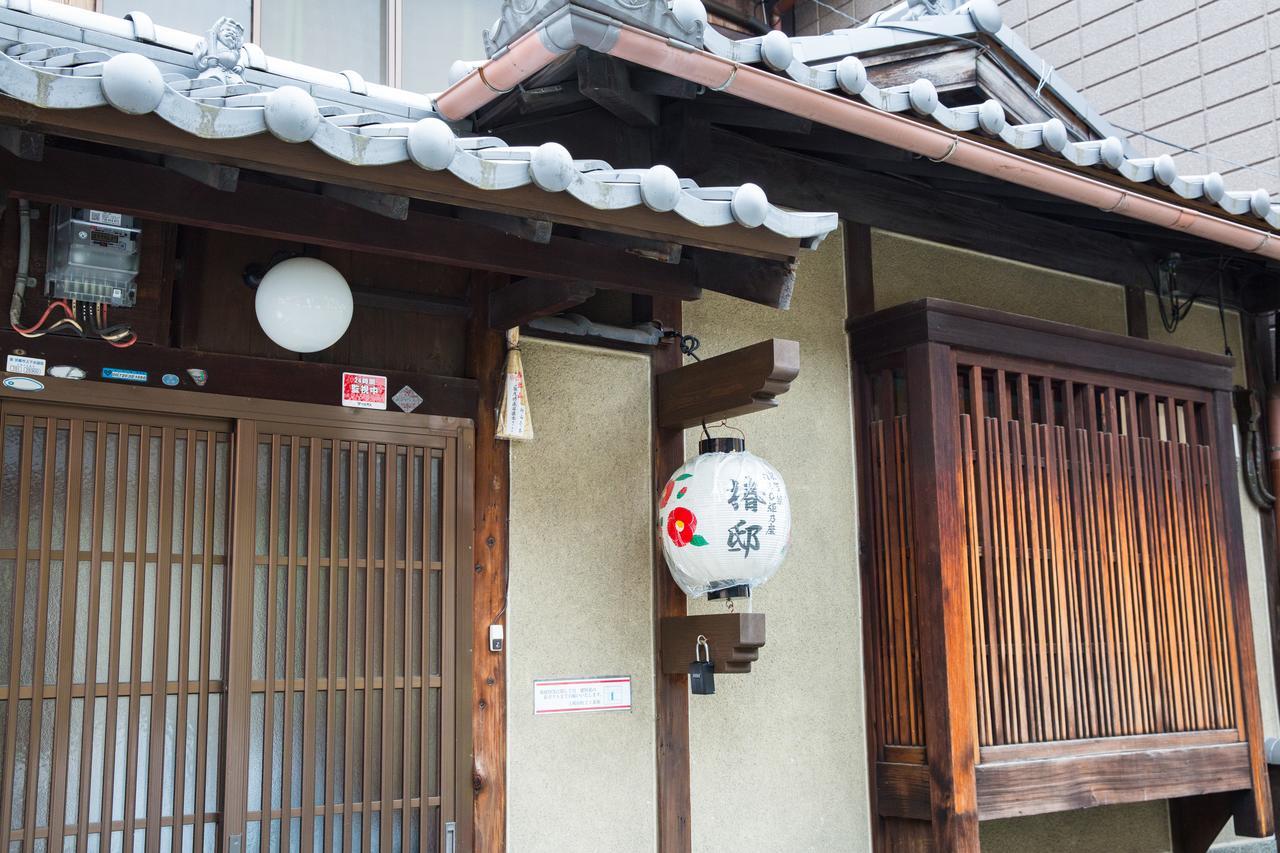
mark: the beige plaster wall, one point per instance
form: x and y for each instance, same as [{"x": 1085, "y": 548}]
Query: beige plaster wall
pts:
[
  {"x": 908, "y": 269},
  {"x": 778, "y": 756},
  {"x": 580, "y": 603}
]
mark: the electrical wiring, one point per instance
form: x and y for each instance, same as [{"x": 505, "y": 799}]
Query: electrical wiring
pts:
[{"x": 37, "y": 331}]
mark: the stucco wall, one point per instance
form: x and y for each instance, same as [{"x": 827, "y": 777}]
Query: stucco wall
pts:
[
  {"x": 778, "y": 756},
  {"x": 580, "y": 603}
]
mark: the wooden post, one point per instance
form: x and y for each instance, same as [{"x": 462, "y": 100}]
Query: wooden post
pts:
[
  {"x": 1135, "y": 312},
  {"x": 859, "y": 279},
  {"x": 671, "y": 691},
  {"x": 485, "y": 352},
  {"x": 942, "y": 582},
  {"x": 1253, "y": 809}
]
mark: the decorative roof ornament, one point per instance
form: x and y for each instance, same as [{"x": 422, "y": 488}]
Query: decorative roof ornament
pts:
[{"x": 219, "y": 55}]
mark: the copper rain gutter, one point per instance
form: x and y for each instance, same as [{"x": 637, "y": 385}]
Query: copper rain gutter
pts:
[{"x": 529, "y": 54}]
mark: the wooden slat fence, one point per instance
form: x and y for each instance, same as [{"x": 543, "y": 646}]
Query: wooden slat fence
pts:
[{"x": 1095, "y": 552}]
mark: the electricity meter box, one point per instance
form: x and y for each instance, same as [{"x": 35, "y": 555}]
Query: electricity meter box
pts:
[{"x": 93, "y": 256}]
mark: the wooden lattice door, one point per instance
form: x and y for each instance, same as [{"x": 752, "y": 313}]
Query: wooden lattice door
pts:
[
  {"x": 234, "y": 635},
  {"x": 113, "y": 569},
  {"x": 343, "y": 611}
]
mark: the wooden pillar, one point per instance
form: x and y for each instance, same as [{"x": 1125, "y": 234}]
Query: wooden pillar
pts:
[
  {"x": 671, "y": 691},
  {"x": 485, "y": 354},
  {"x": 1252, "y": 807},
  {"x": 942, "y": 583}
]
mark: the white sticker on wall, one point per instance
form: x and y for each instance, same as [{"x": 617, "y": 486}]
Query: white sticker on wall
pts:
[
  {"x": 24, "y": 364},
  {"x": 575, "y": 695}
]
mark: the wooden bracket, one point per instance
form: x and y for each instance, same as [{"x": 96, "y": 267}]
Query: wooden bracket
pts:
[
  {"x": 736, "y": 383},
  {"x": 735, "y": 640}
]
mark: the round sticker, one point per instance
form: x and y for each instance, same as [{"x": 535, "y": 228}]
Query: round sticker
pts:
[
  {"x": 170, "y": 379},
  {"x": 66, "y": 371},
  {"x": 23, "y": 383}
]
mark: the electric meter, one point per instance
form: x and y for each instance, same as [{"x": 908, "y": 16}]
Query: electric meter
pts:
[{"x": 93, "y": 256}]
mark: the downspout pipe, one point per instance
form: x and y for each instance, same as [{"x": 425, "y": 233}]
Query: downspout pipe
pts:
[{"x": 576, "y": 28}]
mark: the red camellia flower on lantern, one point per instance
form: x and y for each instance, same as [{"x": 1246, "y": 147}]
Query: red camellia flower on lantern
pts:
[
  {"x": 681, "y": 525},
  {"x": 666, "y": 494}
]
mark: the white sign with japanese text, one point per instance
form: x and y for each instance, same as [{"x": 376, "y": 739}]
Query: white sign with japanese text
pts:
[{"x": 574, "y": 695}]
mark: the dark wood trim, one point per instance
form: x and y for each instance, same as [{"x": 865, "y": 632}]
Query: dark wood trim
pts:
[
  {"x": 1016, "y": 788},
  {"x": 1135, "y": 312},
  {"x": 942, "y": 584},
  {"x": 266, "y": 153},
  {"x": 1253, "y": 808},
  {"x": 859, "y": 276},
  {"x": 736, "y": 383},
  {"x": 985, "y": 330},
  {"x": 244, "y": 376},
  {"x": 671, "y": 692},
  {"x": 486, "y": 350},
  {"x": 259, "y": 209}
]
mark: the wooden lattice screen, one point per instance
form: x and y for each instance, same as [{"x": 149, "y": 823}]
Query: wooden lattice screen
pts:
[
  {"x": 1053, "y": 574},
  {"x": 229, "y": 633}
]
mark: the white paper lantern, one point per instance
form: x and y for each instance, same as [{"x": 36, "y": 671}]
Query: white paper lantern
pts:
[
  {"x": 304, "y": 305},
  {"x": 725, "y": 520}
]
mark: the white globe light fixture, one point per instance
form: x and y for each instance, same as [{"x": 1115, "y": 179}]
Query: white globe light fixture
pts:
[
  {"x": 725, "y": 521},
  {"x": 304, "y": 305}
]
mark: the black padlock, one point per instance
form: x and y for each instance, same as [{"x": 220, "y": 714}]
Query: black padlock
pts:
[{"x": 702, "y": 673}]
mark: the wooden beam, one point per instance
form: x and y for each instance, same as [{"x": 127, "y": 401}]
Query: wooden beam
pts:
[
  {"x": 266, "y": 153},
  {"x": 390, "y": 205},
  {"x": 1016, "y": 788},
  {"x": 416, "y": 303},
  {"x": 764, "y": 282},
  {"x": 524, "y": 227},
  {"x": 485, "y": 356},
  {"x": 942, "y": 584},
  {"x": 243, "y": 376},
  {"x": 528, "y": 298},
  {"x": 606, "y": 81},
  {"x": 737, "y": 383},
  {"x": 22, "y": 143},
  {"x": 290, "y": 215},
  {"x": 671, "y": 692},
  {"x": 893, "y": 204},
  {"x": 213, "y": 175}
]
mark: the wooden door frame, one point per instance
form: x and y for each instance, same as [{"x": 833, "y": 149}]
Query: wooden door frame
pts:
[{"x": 88, "y": 395}]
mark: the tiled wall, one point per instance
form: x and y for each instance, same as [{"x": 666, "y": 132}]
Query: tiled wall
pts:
[{"x": 1194, "y": 74}]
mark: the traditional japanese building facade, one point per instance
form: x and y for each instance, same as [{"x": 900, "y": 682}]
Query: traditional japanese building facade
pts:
[{"x": 336, "y": 617}]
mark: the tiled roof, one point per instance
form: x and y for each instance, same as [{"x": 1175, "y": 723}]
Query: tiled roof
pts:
[
  {"x": 833, "y": 63},
  {"x": 59, "y": 57}
]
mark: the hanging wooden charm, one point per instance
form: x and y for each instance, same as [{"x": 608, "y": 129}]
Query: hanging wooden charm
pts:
[{"x": 514, "y": 423}]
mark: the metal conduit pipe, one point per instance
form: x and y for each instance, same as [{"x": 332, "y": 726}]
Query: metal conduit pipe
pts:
[
  {"x": 538, "y": 48},
  {"x": 1273, "y": 464},
  {"x": 575, "y": 325}
]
